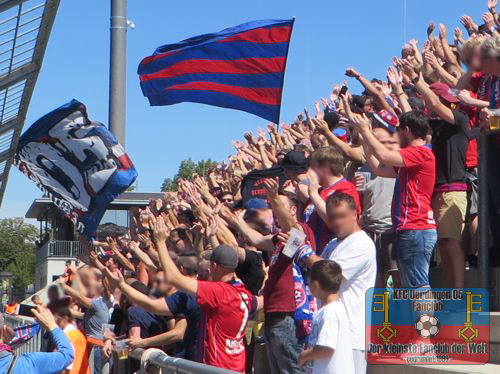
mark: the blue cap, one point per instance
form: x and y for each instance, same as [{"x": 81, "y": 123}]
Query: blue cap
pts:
[{"x": 256, "y": 203}]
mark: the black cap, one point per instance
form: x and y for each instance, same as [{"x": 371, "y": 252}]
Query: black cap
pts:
[
  {"x": 296, "y": 161},
  {"x": 223, "y": 255},
  {"x": 332, "y": 119}
]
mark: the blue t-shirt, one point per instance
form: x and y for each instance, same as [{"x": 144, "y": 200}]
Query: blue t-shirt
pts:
[
  {"x": 182, "y": 304},
  {"x": 150, "y": 324},
  {"x": 42, "y": 362}
]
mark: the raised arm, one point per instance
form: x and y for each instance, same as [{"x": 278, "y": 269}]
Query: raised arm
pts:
[
  {"x": 384, "y": 155},
  {"x": 77, "y": 295},
  {"x": 285, "y": 220},
  {"x": 431, "y": 99},
  {"x": 353, "y": 153},
  {"x": 155, "y": 306},
  {"x": 172, "y": 274},
  {"x": 370, "y": 88}
]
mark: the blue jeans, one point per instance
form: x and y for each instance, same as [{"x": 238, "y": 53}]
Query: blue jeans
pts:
[
  {"x": 413, "y": 252},
  {"x": 282, "y": 346}
]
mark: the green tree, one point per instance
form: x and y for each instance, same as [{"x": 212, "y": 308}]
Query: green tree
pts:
[
  {"x": 17, "y": 251},
  {"x": 186, "y": 169}
]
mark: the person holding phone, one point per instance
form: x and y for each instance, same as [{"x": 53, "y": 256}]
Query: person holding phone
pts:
[{"x": 37, "y": 362}]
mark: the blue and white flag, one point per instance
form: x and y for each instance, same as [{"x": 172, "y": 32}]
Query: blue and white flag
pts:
[{"x": 76, "y": 162}]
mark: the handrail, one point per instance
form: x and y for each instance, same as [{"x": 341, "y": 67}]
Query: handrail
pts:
[{"x": 180, "y": 365}]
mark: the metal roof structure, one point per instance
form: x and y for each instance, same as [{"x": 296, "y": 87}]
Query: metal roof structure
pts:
[{"x": 25, "y": 27}]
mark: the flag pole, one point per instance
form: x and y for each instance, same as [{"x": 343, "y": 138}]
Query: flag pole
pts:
[
  {"x": 117, "y": 69},
  {"x": 284, "y": 72}
]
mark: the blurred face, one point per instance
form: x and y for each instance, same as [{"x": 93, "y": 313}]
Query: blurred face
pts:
[
  {"x": 490, "y": 65},
  {"x": 475, "y": 62},
  {"x": 342, "y": 220},
  {"x": 323, "y": 172},
  {"x": 160, "y": 287},
  {"x": 390, "y": 141}
]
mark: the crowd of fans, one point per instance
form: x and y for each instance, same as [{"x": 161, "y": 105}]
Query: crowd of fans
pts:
[{"x": 207, "y": 276}]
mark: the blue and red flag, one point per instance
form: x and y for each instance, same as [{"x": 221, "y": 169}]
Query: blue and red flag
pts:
[{"x": 241, "y": 67}]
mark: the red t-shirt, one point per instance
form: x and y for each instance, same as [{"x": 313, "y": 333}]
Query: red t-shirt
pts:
[
  {"x": 279, "y": 290},
  {"x": 411, "y": 204},
  {"x": 226, "y": 308},
  {"x": 322, "y": 233}
]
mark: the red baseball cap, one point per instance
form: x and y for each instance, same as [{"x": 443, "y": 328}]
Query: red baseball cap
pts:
[{"x": 443, "y": 91}]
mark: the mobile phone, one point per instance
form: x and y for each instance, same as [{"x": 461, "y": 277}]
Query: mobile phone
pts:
[
  {"x": 306, "y": 112},
  {"x": 25, "y": 310},
  {"x": 343, "y": 90}
]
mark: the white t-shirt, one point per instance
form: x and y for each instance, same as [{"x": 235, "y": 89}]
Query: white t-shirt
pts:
[
  {"x": 356, "y": 255},
  {"x": 330, "y": 328}
]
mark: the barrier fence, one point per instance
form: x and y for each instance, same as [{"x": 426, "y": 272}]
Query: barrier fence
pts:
[
  {"x": 34, "y": 344},
  {"x": 157, "y": 359}
]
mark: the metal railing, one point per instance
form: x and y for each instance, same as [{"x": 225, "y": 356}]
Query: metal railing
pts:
[
  {"x": 59, "y": 248},
  {"x": 34, "y": 344},
  {"x": 173, "y": 365}
]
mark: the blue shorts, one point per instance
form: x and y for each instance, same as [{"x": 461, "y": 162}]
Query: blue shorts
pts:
[{"x": 413, "y": 251}]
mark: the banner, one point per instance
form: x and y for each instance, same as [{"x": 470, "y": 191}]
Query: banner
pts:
[
  {"x": 253, "y": 183},
  {"x": 427, "y": 326},
  {"x": 76, "y": 162}
]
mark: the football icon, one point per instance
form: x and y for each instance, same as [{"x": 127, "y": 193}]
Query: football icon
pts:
[{"x": 427, "y": 326}]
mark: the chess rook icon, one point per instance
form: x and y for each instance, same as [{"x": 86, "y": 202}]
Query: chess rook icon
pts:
[
  {"x": 386, "y": 332},
  {"x": 468, "y": 333}
]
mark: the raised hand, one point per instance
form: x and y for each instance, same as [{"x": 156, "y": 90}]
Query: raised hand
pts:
[
  {"x": 458, "y": 33},
  {"x": 114, "y": 278},
  {"x": 313, "y": 180},
  {"x": 321, "y": 125},
  {"x": 408, "y": 69},
  {"x": 271, "y": 185},
  {"x": 45, "y": 317},
  {"x": 431, "y": 59},
  {"x": 351, "y": 72},
  {"x": 430, "y": 28},
  {"x": 492, "y": 4},
  {"x": 237, "y": 144},
  {"x": 160, "y": 230},
  {"x": 362, "y": 123},
  {"x": 442, "y": 31},
  {"x": 489, "y": 20},
  {"x": 394, "y": 76}
]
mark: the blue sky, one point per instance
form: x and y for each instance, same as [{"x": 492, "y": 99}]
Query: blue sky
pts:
[{"x": 328, "y": 37}]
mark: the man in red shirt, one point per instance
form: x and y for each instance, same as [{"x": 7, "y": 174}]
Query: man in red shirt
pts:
[
  {"x": 325, "y": 179},
  {"x": 414, "y": 168},
  {"x": 225, "y": 303}
]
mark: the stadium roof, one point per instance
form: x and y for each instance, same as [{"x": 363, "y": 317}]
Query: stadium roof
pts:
[{"x": 25, "y": 27}]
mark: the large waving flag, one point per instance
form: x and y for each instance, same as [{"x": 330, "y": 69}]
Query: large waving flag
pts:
[
  {"x": 241, "y": 67},
  {"x": 76, "y": 162}
]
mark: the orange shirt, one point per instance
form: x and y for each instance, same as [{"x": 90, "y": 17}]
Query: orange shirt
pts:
[
  {"x": 78, "y": 340},
  {"x": 11, "y": 308}
]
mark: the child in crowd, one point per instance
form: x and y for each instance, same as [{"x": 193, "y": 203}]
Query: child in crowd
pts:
[{"x": 330, "y": 341}]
